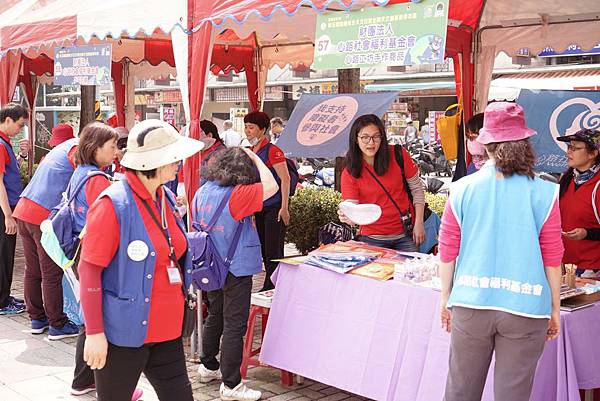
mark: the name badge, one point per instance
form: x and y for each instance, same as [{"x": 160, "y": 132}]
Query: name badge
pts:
[
  {"x": 174, "y": 275},
  {"x": 137, "y": 250}
]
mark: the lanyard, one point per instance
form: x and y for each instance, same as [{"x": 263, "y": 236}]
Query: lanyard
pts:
[{"x": 164, "y": 229}]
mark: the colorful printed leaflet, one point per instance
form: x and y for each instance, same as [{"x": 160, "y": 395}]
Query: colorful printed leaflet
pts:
[
  {"x": 339, "y": 262},
  {"x": 380, "y": 269}
]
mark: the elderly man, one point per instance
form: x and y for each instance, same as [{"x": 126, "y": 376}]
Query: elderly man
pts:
[{"x": 229, "y": 136}]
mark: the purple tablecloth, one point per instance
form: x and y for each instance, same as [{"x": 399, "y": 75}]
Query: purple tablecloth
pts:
[{"x": 383, "y": 340}]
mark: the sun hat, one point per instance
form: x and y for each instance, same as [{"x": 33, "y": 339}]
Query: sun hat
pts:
[
  {"x": 154, "y": 143},
  {"x": 60, "y": 134},
  {"x": 588, "y": 136},
  {"x": 503, "y": 122}
]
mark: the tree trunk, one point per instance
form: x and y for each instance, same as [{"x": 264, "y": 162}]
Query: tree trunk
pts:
[
  {"x": 88, "y": 99},
  {"x": 348, "y": 82}
]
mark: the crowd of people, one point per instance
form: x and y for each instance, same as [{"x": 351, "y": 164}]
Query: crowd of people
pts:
[{"x": 503, "y": 238}]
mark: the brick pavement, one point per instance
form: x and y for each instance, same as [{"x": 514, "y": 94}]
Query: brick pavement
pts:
[{"x": 32, "y": 368}]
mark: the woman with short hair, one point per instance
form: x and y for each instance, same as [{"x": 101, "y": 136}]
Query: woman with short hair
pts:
[
  {"x": 135, "y": 272},
  {"x": 500, "y": 249},
  {"x": 238, "y": 177},
  {"x": 272, "y": 220}
]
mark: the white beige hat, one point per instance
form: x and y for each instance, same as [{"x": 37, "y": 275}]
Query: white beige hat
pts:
[{"x": 160, "y": 145}]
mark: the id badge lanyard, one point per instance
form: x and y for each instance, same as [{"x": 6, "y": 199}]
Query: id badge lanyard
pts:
[{"x": 172, "y": 269}]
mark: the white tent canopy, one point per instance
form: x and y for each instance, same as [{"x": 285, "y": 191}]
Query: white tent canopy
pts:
[{"x": 509, "y": 25}]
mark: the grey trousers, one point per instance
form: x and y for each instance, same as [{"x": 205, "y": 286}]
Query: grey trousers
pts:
[{"x": 518, "y": 342}]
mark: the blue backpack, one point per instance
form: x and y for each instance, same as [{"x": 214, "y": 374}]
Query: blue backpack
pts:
[
  {"x": 59, "y": 239},
  {"x": 209, "y": 268}
]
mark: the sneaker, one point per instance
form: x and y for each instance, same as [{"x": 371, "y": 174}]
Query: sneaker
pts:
[
  {"x": 207, "y": 375},
  {"x": 16, "y": 300},
  {"x": 39, "y": 326},
  {"x": 85, "y": 390},
  {"x": 70, "y": 329},
  {"x": 239, "y": 393},
  {"x": 137, "y": 394},
  {"x": 12, "y": 309}
]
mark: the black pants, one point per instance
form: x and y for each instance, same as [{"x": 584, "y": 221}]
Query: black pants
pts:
[
  {"x": 8, "y": 244},
  {"x": 83, "y": 376},
  {"x": 162, "y": 363},
  {"x": 272, "y": 239},
  {"x": 228, "y": 316}
]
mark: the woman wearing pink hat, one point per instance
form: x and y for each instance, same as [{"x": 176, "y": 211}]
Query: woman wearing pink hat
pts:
[
  {"x": 501, "y": 250},
  {"x": 580, "y": 200}
]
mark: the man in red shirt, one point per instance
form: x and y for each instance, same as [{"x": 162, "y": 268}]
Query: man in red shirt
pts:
[{"x": 13, "y": 118}]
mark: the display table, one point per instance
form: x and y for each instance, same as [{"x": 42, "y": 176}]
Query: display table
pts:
[{"x": 383, "y": 340}]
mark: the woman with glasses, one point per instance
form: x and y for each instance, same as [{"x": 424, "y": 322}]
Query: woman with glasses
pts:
[
  {"x": 373, "y": 175},
  {"x": 580, "y": 200}
]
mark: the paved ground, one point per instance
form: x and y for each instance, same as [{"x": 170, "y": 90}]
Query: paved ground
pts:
[{"x": 32, "y": 368}]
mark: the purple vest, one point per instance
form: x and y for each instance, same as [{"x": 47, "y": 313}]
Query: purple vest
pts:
[
  {"x": 247, "y": 259},
  {"x": 12, "y": 176},
  {"x": 127, "y": 283},
  {"x": 52, "y": 176}
]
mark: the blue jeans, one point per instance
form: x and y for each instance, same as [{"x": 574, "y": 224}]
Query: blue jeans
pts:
[{"x": 405, "y": 244}]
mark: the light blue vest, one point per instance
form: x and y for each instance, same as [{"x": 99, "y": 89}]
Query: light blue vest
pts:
[
  {"x": 12, "y": 176},
  {"x": 52, "y": 176},
  {"x": 500, "y": 265},
  {"x": 127, "y": 284},
  {"x": 80, "y": 206},
  {"x": 247, "y": 259}
]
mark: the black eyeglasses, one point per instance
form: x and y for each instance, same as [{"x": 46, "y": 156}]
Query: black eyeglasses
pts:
[{"x": 366, "y": 139}]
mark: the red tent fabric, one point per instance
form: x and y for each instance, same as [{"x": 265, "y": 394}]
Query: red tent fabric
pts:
[{"x": 237, "y": 59}]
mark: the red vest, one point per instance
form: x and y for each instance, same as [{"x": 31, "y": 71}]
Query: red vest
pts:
[{"x": 576, "y": 212}]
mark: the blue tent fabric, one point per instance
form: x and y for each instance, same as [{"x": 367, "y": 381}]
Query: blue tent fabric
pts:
[
  {"x": 554, "y": 113},
  {"x": 320, "y": 124}
]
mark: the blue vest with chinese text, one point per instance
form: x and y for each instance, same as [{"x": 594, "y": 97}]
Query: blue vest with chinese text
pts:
[
  {"x": 500, "y": 264},
  {"x": 12, "y": 175},
  {"x": 80, "y": 206},
  {"x": 52, "y": 176},
  {"x": 127, "y": 283},
  {"x": 247, "y": 259}
]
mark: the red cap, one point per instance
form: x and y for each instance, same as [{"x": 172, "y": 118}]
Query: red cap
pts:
[{"x": 61, "y": 133}]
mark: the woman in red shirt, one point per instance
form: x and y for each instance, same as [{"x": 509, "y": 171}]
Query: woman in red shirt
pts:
[
  {"x": 135, "y": 272},
  {"x": 372, "y": 175},
  {"x": 580, "y": 200}
]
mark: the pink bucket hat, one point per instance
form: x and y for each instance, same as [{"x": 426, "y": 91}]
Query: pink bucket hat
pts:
[{"x": 503, "y": 122}]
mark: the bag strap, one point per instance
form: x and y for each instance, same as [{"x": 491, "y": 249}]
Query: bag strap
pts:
[
  {"x": 82, "y": 183},
  {"x": 218, "y": 211},
  {"x": 234, "y": 243},
  {"x": 594, "y": 201},
  {"x": 386, "y": 191},
  {"x": 400, "y": 160}
]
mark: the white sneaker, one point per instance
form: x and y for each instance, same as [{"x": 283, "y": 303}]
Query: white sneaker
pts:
[
  {"x": 207, "y": 375},
  {"x": 239, "y": 393}
]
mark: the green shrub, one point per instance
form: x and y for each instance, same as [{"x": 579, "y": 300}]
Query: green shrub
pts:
[
  {"x": 23, "y": 167},
  {"x": 311, "y": 209},
  {"x": 436, "y": 202}
]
